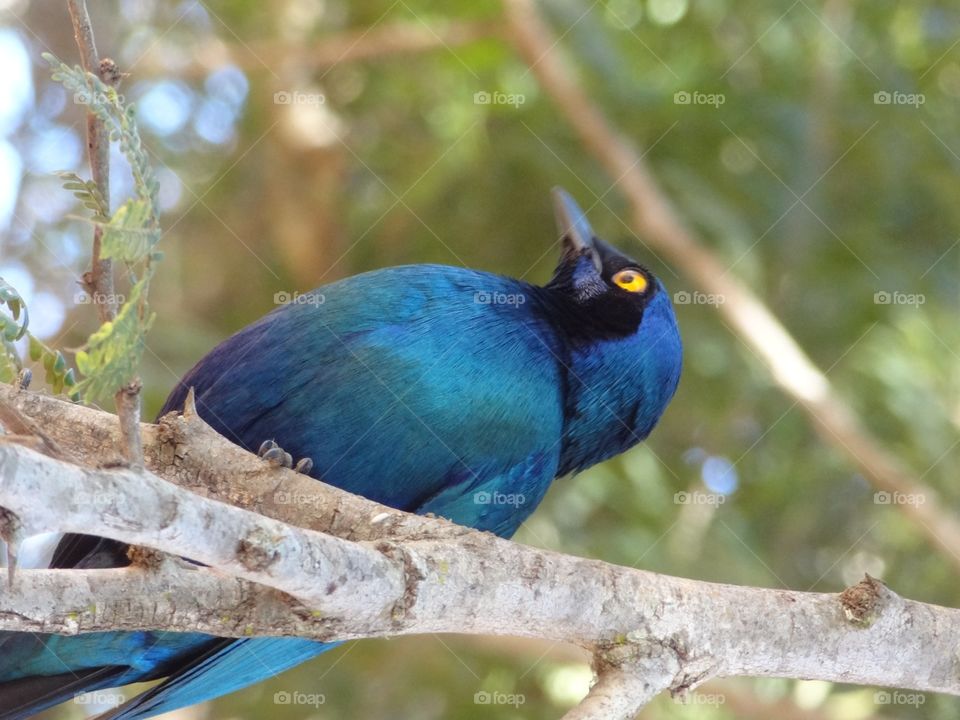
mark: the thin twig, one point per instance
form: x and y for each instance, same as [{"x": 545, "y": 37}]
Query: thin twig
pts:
[
  {"x": 655, "y": 219},
  {"x": 127, "y": 400},
  {"x": 98, "y": 281}
]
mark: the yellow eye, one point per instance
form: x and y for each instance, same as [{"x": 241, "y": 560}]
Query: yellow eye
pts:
[{"x": 631, "y": 281}]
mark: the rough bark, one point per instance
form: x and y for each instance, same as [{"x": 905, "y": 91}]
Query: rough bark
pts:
[{"x": 403, "y": 574}]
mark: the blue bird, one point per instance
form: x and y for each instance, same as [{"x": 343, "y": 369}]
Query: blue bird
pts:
[{"x": 428, "y": 388}]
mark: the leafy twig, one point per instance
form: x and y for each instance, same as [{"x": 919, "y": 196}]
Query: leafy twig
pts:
[
  {"x": 58, "y": 375},
  {"x": 99, "y": 279},
  {"x": 88, "y": 193},
  {"x": 108, "y": 119},
  {"x": 11, "y": 330}
]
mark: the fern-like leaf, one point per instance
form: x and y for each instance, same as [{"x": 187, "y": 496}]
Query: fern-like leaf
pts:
[
  {"x": 112, "y": 354},
  {"x": 88, "y": 193}
]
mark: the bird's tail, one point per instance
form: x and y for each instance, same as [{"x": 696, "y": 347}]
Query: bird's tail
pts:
[{"x": 25, "y": 697}]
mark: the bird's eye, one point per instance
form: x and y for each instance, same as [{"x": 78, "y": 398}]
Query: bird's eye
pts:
[{"x": 631, "y": 281}]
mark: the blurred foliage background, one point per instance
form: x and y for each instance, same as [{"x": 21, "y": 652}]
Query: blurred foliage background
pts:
[{"x": 823, "y": 172}]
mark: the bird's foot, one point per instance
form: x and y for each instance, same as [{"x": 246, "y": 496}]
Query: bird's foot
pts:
[{"x": 278, "y": 457}]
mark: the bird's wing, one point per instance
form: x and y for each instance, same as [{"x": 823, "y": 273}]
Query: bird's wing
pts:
[
  {"x": 398, "y": 386},
  {"x": 498, "y": 501},
  {"x": 40, "y": 670}
]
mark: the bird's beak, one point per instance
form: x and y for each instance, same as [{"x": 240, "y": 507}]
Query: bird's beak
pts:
[{"x": 573, "y": 226}]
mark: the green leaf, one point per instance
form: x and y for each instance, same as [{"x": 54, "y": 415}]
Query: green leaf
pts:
[
  {"x": 13, "y": 300},
  {"x": 131, "y": 233},
  {"x": 112, "y": 354},
  {"x": 87, "y": 192},
  {"x": 9, "y": 329},
  {"x": 9, "y": 361},
  {"x": 36, "y": 349},
  {"x": 120, "y": 121},
  {"x": 56, "y": 373}
]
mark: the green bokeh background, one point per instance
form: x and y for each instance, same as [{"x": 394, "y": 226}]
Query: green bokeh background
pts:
[{"x": 810, "y": 191}]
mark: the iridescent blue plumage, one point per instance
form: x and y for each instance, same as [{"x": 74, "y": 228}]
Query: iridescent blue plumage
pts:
[
  {"x": 427, "y": 388},
  {"x": 394, "y": 382}
]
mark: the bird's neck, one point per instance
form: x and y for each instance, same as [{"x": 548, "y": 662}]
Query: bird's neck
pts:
[
  {"x": 606, "y": 407},
  {"x": 618, "y": 375}
]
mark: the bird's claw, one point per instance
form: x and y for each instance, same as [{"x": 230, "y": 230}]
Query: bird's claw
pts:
[
  {"x": 304, "y": 466},
  {"x": 278, "y": 457},
  {"x": 274, "y": 454},
  {"x": 265, "y": 446}
]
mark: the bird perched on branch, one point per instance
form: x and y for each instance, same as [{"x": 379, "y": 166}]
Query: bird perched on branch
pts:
[{"x": 428, "y": 388}]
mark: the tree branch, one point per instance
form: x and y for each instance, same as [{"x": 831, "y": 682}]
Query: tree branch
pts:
[
  {"x": 407, "y": 574},
  {"x": 387, "y": 40},
  {"x": 184, "y": 450},
  {"x": 145, "y": 510},
  {"x": 656, "y": 220},
  {"x": 647, "y": 631},
  {"x": 98, "y": 281},
  {"x": 620, "y": 692}
]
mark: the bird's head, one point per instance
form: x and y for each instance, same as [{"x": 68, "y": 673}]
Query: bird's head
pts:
[
  {"x": 624, "y": 346},
  {"x": 604, "y": 293}
]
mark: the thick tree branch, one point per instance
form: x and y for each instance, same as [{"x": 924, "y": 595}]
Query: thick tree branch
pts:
[
  {"x": 657, "y": 221},
  {"x": 186, "y": 451},
  {"x": 145, "y": 510},
  {"x": 655, "y": 629}
]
